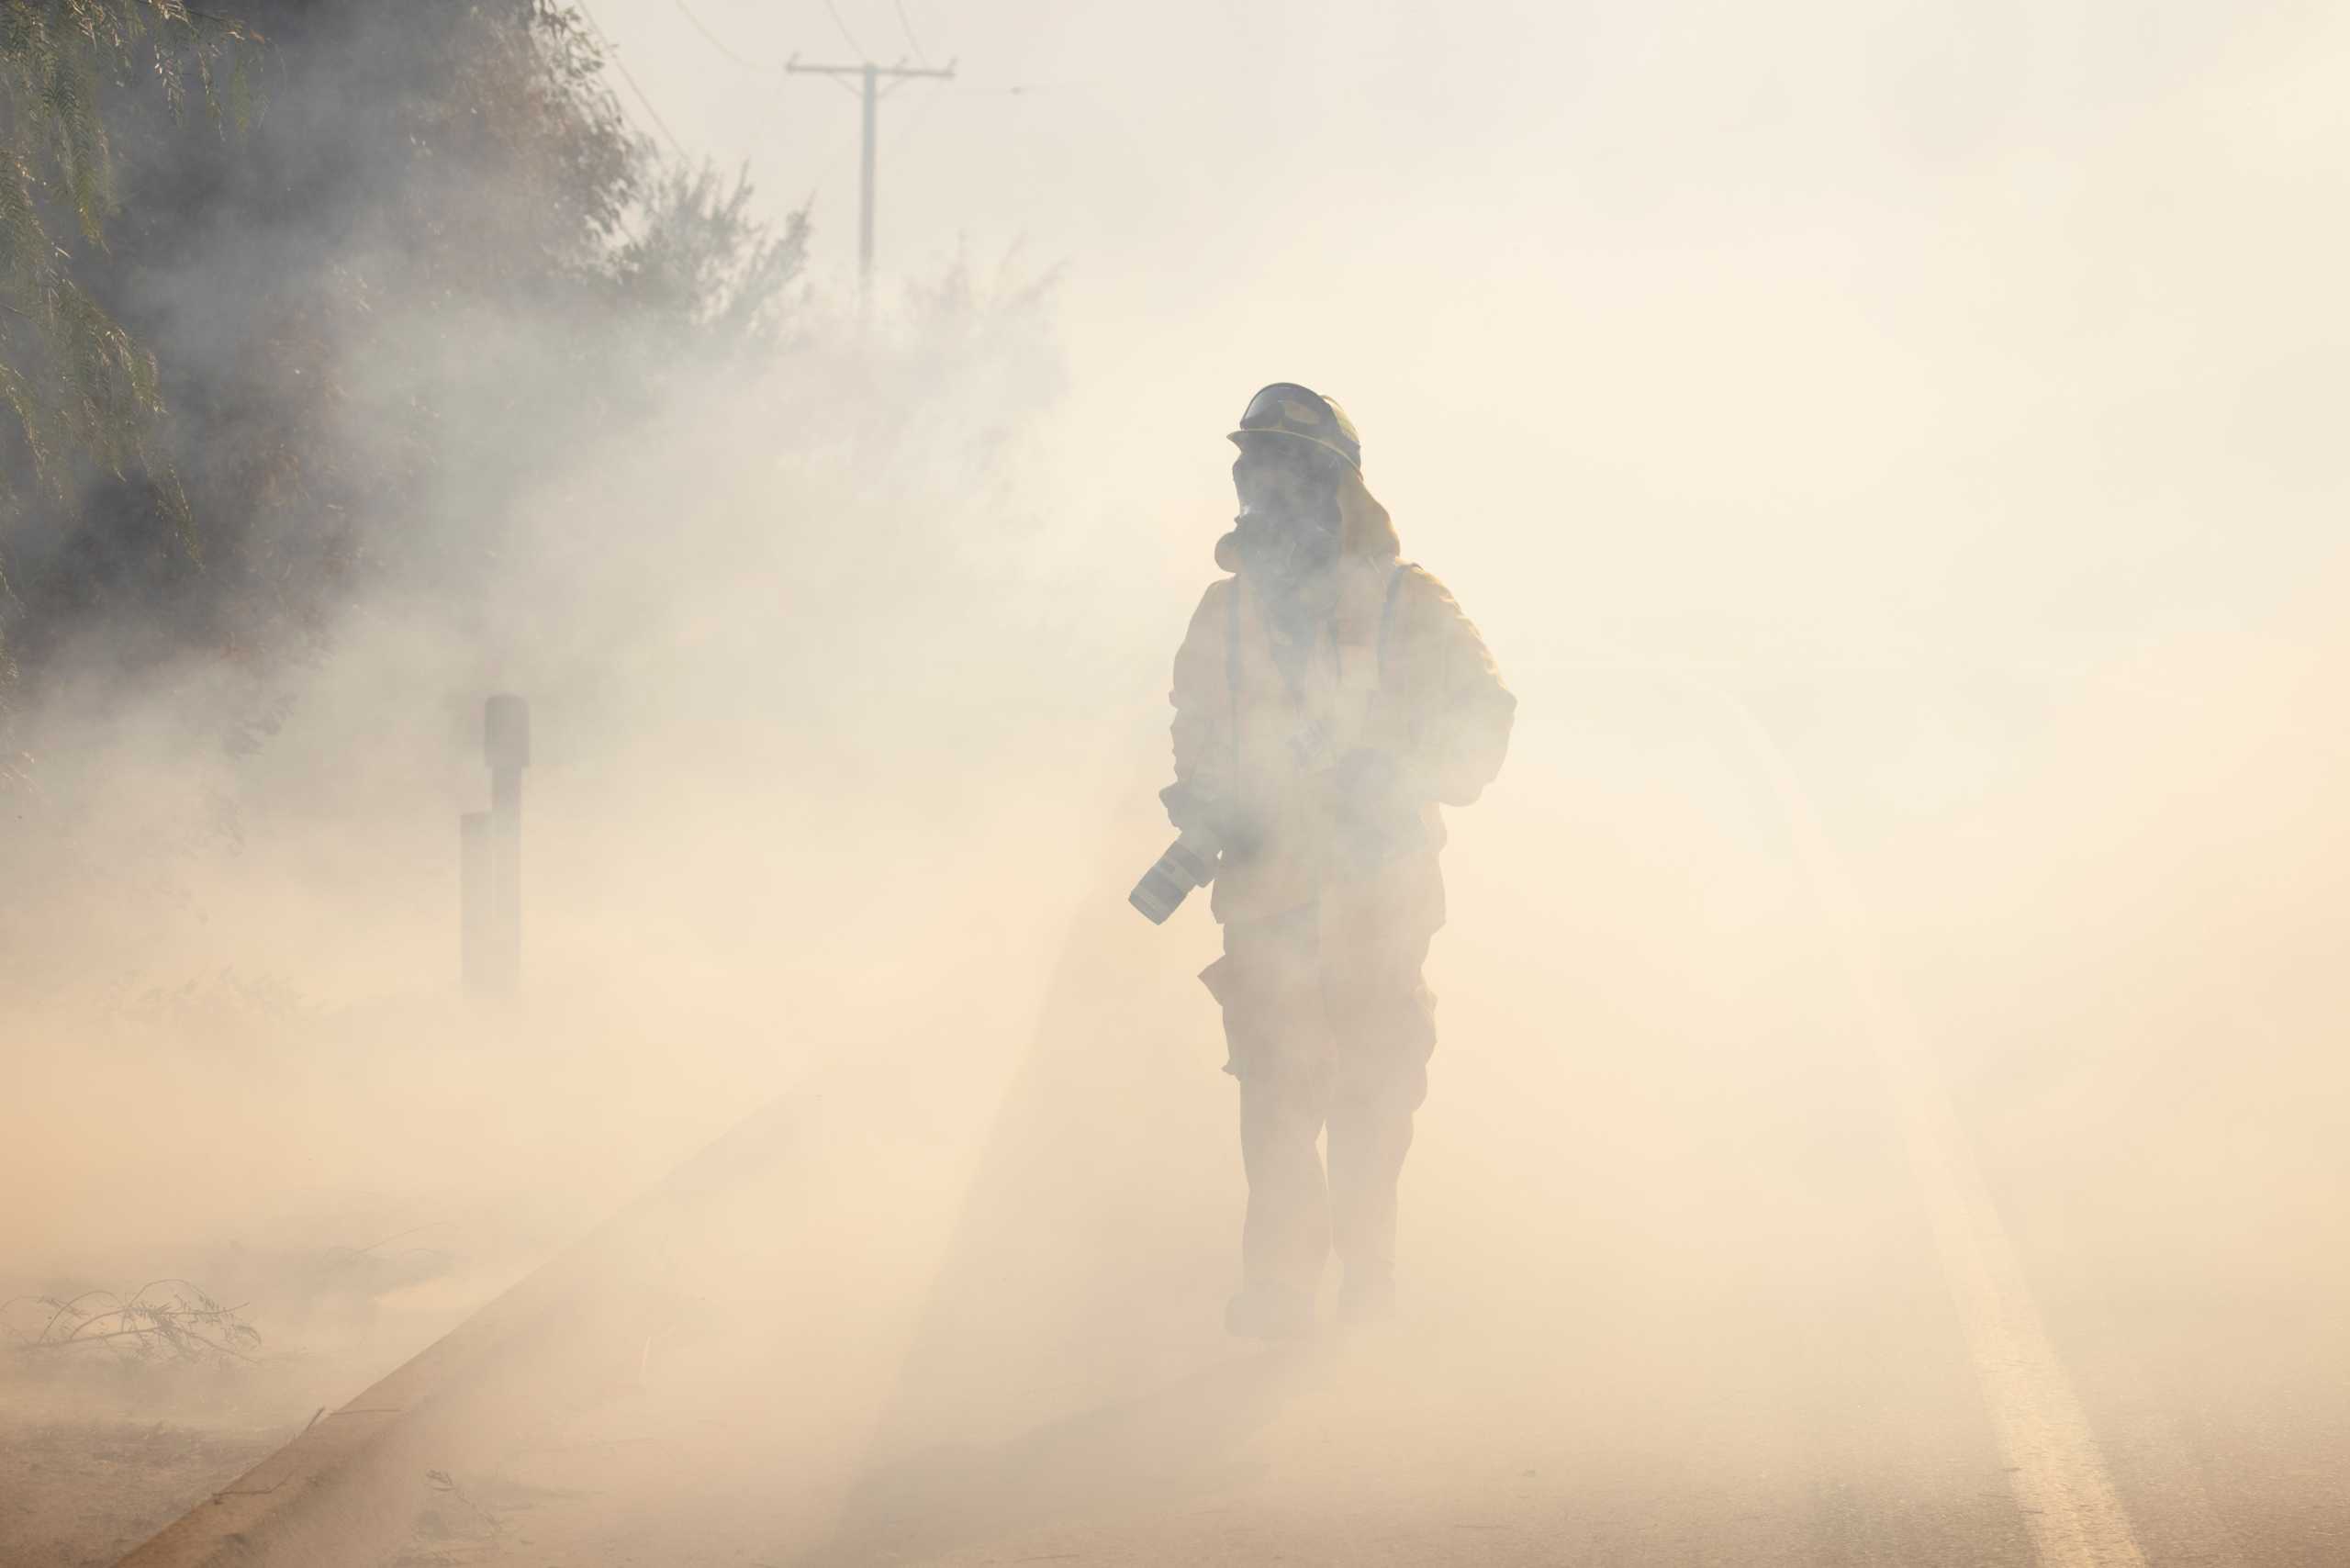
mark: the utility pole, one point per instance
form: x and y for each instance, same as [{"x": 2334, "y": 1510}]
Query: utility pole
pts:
[{"x": 870, "y": 74}]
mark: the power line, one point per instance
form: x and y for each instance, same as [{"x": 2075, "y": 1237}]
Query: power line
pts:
[
  {"x": 870, "y": 76},
  {"x": 912, "y": 42},
  {"x": 1022, "y": 89},
  {"x": 866, "y": 74},
  {"x": 920, "y": 115},
  {"x": 612, "y": 53},
  {"x": 626, "y": 75},
  {"x": 855, "y": 48},
  {"x": 718, "y": 43}
]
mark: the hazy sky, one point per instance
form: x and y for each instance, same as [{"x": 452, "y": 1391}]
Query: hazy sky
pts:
[{"x": 1965, "y": 330}]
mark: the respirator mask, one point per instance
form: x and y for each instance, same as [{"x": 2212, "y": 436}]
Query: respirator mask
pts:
[{"x": 1289, "y": 525}]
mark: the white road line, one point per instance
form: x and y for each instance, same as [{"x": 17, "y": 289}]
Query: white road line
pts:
[{"x": 2054, "y": 1466}]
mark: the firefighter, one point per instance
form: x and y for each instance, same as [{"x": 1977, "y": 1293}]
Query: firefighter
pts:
[{"x": 1329, "y": 698}]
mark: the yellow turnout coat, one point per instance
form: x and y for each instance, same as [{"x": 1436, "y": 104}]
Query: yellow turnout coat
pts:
[{"x": 1401, "y": 671}]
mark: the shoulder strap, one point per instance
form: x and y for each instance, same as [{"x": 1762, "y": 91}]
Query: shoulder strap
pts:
[
  {"x": 1232, "y": 641},
  {"x": 1232, "y": 669},
  {"x": 1387, "y": 613}
]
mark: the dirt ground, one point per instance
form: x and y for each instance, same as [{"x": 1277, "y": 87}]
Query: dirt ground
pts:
[
  {"x": 78, "y": 1493},
  {"x": 310, "y": 1168},
  {"x": 102, "y": 1445}
]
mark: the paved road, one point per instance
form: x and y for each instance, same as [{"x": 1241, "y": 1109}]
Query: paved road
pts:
[{"x": 1715, "y": 1257}]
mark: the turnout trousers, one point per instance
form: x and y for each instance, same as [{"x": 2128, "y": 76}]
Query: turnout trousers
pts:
[{"x": 1329, "y": 1024}]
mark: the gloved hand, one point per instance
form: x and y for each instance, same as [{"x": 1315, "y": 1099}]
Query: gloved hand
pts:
[{"x": 1192, "y": 810}]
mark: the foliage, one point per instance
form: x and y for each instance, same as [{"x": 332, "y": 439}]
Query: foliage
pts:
[
  {"x": 702, "y": 260},
  {"x": 440, "y": 261},
  {"x": 78, "y": 385}
]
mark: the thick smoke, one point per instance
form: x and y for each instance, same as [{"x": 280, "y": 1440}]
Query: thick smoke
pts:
[
  {"x": 1918, "y": 416},
  {"x": 571, "y": 432}
]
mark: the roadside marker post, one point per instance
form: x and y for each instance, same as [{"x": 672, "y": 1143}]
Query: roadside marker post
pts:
[{"x": 490, "y": 856}]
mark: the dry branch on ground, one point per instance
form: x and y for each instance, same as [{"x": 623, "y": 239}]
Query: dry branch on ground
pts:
[{"x": 163, "y": 1320}]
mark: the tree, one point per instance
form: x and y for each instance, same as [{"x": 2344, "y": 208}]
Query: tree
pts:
[
  {"x": 81, "y": 390},
  {"x": 439, "y": 261},
  {"x": 703, "y": 262}
]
